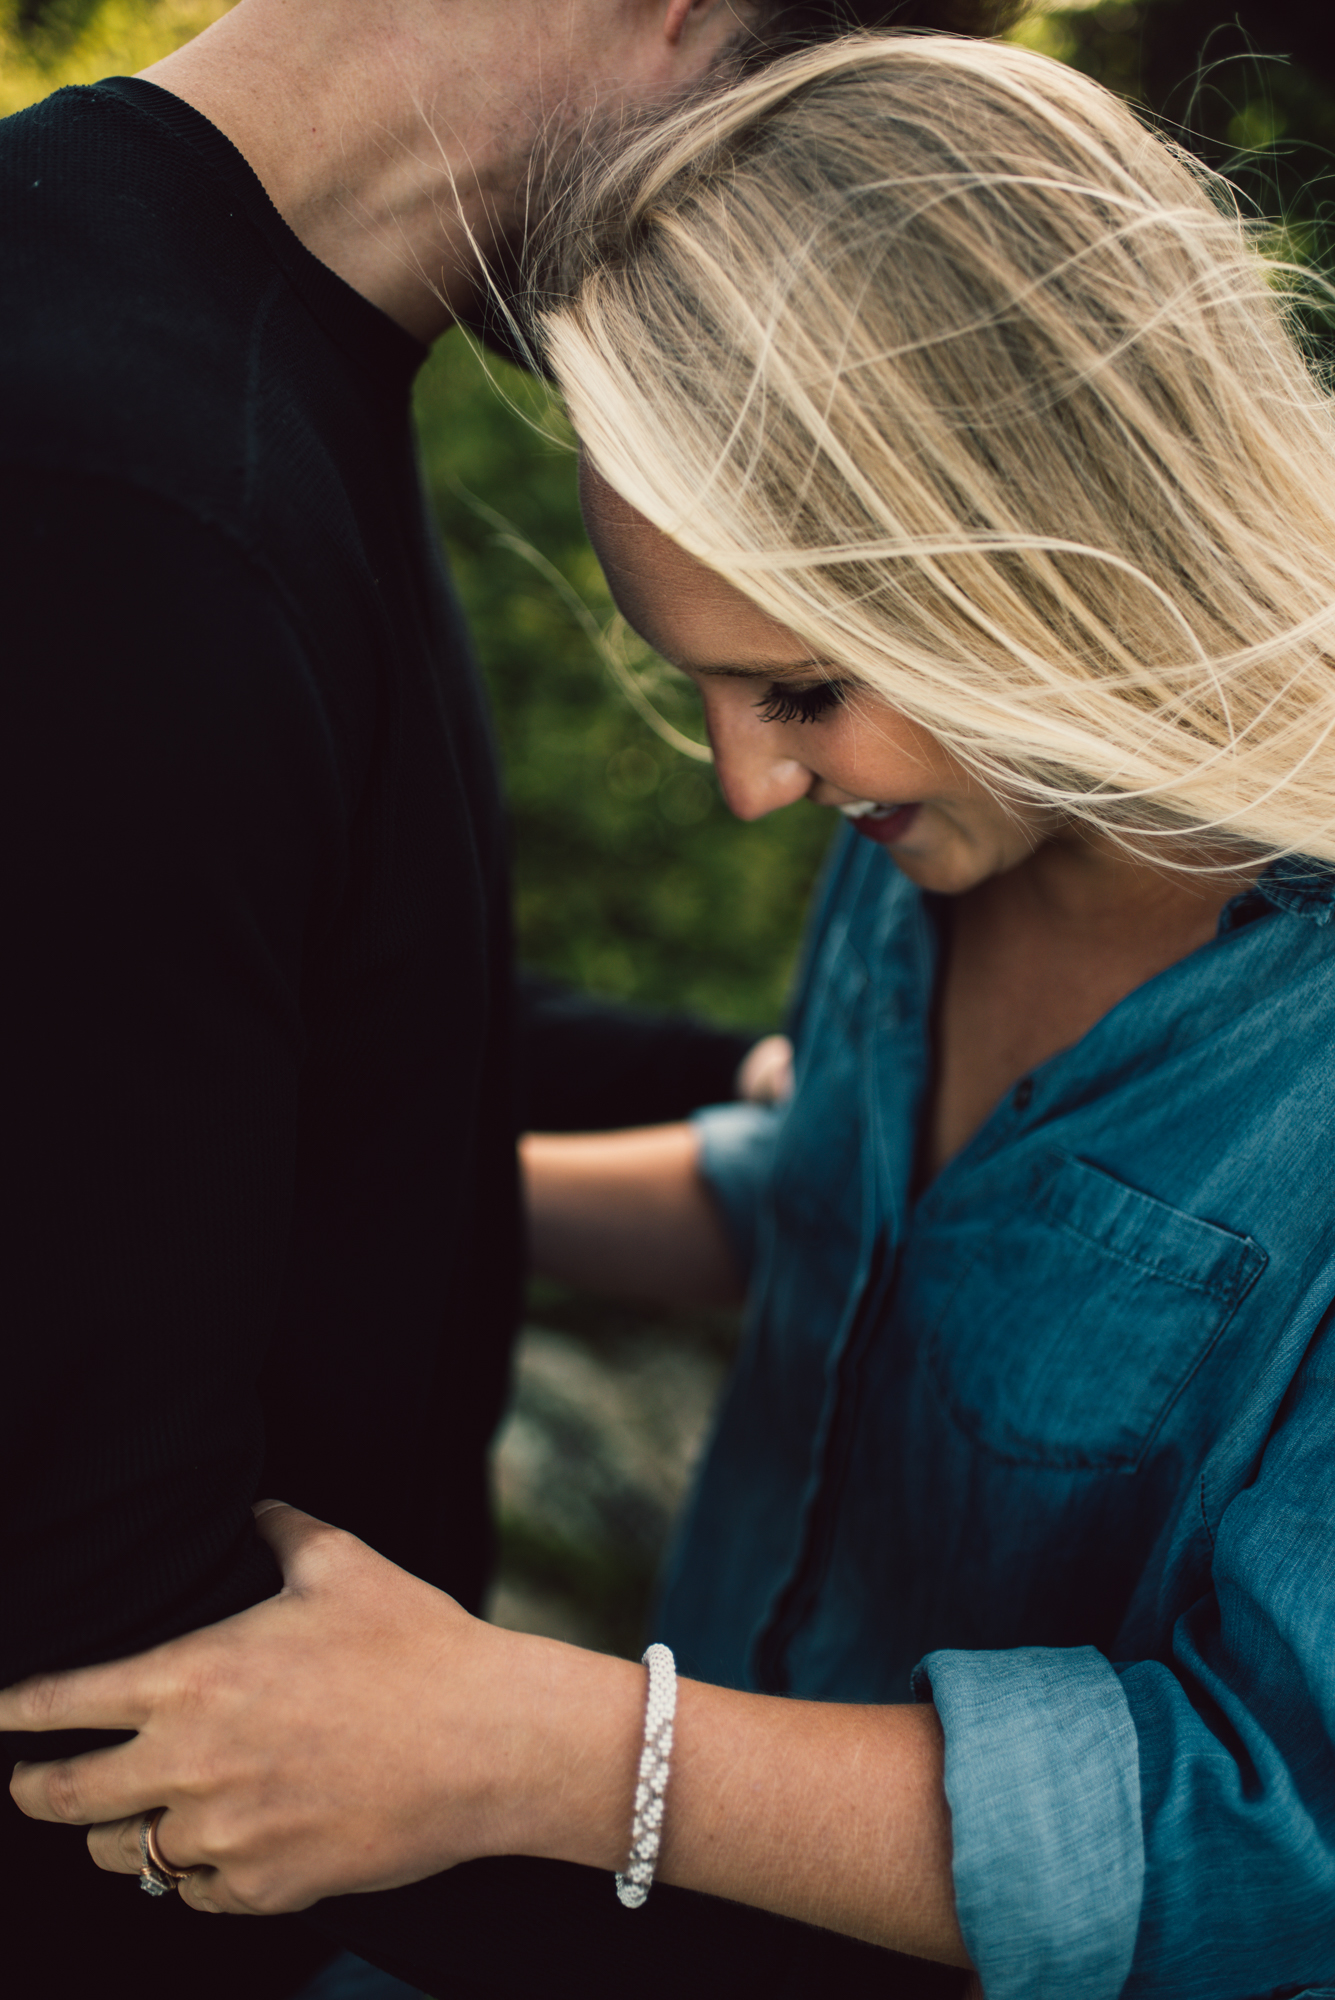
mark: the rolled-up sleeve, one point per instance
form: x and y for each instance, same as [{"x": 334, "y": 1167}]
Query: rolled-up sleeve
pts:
[
  {"x": 736, "y": 1155},
  {"x": 1043, "y": 1781},
  {"x": 1166, "y": 1827}
]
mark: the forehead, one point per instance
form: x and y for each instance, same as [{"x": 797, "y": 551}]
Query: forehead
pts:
[{"x": 687, "y": 611}]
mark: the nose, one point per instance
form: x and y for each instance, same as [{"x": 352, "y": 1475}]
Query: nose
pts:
[{"x": 753, "y": 761}]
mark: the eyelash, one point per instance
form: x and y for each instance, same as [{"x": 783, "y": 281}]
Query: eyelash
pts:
[{"x": 801, "y": 704}]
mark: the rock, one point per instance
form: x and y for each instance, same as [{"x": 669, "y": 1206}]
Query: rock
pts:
[{"x": 590, "y": 1469}]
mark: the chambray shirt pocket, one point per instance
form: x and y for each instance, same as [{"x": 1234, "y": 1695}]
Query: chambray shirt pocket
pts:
[{"x": 1069, "y": 1327}]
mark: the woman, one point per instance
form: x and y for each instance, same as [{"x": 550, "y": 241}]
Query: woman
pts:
[{"x": 942, "y": 428}]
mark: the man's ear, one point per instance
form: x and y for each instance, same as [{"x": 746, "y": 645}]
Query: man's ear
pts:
[{"x": 679, "y": 12}]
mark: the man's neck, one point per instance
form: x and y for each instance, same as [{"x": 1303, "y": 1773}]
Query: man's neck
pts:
[{"x": 399, "y": 137}]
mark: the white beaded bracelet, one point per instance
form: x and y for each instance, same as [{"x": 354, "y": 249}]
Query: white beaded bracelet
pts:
[{"x": 646, "y": 1826}]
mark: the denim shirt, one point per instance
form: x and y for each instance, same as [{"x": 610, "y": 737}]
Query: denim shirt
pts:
[{"x": 1054, "y": 1445}]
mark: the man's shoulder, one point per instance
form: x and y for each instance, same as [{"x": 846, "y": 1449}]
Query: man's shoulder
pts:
[
  {"x": 133, "y": 290},
  {"x": 164, "y": 333}
]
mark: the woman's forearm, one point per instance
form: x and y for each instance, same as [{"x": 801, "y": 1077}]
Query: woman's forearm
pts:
[
  {"x": 827, "y": 1812},
  {"x": 627, "y": 1213},
  {"x": 362, "y": 1731},
  {"x": 833, "y": 1814}
]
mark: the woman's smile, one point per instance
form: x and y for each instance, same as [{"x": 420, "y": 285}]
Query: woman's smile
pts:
[
  {"x": 885, "y": 824},
  {"x": 785, "y": 727}
]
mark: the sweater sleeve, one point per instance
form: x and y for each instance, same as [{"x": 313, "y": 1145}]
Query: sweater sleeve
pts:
[
  {"x": 173, "y": 826},
  {"x": 1166, "y": 1827},
  {"x": 594, "y": 1065}
]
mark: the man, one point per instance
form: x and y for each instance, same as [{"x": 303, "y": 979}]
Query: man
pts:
[{"x": 262, "y": 1228}]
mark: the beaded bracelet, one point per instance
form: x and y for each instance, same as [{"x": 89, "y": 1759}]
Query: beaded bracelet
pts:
[{"x": 646, "y": 1826}]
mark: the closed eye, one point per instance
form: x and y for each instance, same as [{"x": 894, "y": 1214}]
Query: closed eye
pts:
[{"x": 784, "y": 703}]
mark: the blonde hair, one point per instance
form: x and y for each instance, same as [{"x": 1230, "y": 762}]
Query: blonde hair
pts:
[{"x": 930, "y": 348}]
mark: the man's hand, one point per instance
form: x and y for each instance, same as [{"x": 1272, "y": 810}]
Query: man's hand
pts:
[{"x": 358, "y": 1731}]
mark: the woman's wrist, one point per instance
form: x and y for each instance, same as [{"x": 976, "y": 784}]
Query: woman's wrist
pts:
[
  {"x": 830, "y": 1813},
  {"x": 565, "y": 1728}
]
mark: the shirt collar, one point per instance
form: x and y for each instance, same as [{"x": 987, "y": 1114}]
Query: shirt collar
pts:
[{"x": 1295, "y": 884}]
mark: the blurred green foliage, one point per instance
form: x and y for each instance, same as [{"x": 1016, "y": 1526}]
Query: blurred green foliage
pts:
[
  {"x": 631, "y": 876},
  {"x": 1249, "y": 87},
  {"x": 47, "y": 43}
]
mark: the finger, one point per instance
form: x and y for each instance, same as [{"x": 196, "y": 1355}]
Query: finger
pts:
[
  {"x": 118, "y": 1850},
  {"x": 201, "y": 1890},
  {"x": 115, "y": 1847},
  {"x": 114, "y": 1696},
  {"x": 291, "y": 1535},
  {"x": 98, "y": 1787}
]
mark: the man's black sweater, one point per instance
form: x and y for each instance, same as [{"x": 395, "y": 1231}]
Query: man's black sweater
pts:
[{"x": 259, "y": 1211}]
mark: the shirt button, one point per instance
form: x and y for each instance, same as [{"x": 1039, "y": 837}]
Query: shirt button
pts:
[{"x": 1023, "y": 1094}]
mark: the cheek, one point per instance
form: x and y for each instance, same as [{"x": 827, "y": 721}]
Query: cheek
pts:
[
  {"x": 888, "y": 749},
  {"x": 881, "y": 757}
]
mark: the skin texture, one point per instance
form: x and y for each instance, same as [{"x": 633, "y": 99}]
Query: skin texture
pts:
[
  {"x": 627, "y": 1213},
  {"x": 392, "y": 137},
  {"x": 766, "y": 1073}
]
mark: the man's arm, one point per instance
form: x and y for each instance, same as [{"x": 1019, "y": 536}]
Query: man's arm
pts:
[{"x": 597, "y": 1065}]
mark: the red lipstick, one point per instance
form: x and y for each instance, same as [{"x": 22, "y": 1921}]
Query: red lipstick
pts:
[{"x": 886, "y": 827}]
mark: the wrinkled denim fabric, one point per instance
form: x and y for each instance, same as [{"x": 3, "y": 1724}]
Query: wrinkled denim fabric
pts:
[{"x": 1054, "y": 1445}]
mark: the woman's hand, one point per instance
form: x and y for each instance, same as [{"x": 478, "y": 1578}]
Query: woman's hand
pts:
[
  {"x": 765, "y": 1073},
  {"x": 358, "y": 1731}
]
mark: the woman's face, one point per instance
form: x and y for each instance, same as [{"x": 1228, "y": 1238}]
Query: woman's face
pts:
[{"x": 778, "y": 730}]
